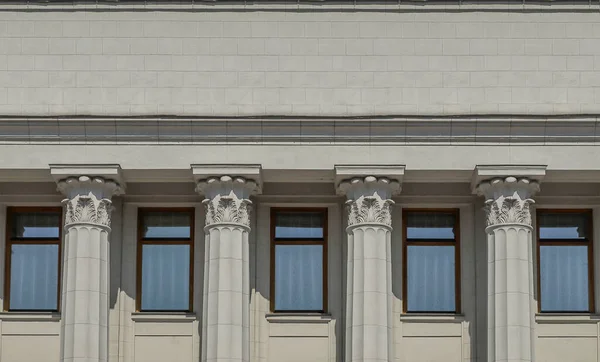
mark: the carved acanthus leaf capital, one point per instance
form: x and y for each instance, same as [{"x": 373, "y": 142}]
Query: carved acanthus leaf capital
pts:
[
  {"x": 88, "y": 199},
  {"x": 369, "y": 209},
  {"x": 227, "y": 199},
  {"x": 508, "y": 200},
  {"x": 369, "y": 199}
]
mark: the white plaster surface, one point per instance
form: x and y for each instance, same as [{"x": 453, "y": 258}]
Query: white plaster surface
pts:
[{"x": 299, "y": 61}]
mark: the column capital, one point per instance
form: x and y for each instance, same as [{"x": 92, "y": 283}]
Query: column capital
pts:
[
  {"x": 88, "y": 191},
  {"x": 508, "y": 195},
  {"x": 227, "y": 194},
  {"x": 369, "y": 190}
]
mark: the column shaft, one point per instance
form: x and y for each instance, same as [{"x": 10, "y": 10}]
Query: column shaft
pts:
[
  {"x": 368, "y": 296},
  {"x": 85, "y": 294},
  {"x": 227, "y": 294},
  {"x": 509, "y": 293},
  {"x": 86, "y": 268},
  {"x": 510, "y": 267},
  {"x": 369, "y": 321},
  {"x": 226, "y": 319}
]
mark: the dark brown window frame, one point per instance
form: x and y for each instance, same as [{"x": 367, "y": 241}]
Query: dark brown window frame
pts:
[
  {"x": 566, "y": 242},
  {"x": 300, "y": 241},
  {"x": 441, "y": 242},
  {"x": 10, "y": 212},
  {"x": 165, "y": 241}
]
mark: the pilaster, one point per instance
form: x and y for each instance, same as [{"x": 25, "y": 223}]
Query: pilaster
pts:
[
  {"x": 86, "y": 263},
  {"x": 510, "y": 259},
  {"x": 369, "y": 323},
  {"x": 226, "y": 297}
]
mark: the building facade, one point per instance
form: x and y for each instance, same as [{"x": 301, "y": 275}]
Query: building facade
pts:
[{"x": 357, "y": 181}]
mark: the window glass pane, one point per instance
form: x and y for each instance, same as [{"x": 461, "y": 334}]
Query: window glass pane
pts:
[
  {"x": 164, "y": 225},
  {"x": 430, "y": 225},
  {"x": 564, "y": 278},
  {"x": 430, "y": 279},
  {"x": 35, "y": 225},
  {"x": 165, "y": 277},
  {"x": 299, "y": 277},
  {"x": 290, "y": 225},
  {"x": 563, "y": 225},
  {"x": 34, "y": 277}
]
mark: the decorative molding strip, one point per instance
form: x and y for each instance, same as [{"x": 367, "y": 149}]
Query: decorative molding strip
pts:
[{"x": 417, "y": 130}]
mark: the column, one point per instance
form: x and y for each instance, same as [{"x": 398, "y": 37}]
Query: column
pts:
[
  {"x": 369, "y": 322},
  {"x": 226, "y": 314},
  {"x": 510, "y": 266},
  {"x": 85, "y": 292}
]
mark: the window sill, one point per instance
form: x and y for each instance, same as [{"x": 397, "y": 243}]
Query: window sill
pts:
[
  {"x": 567, "y": 318},
  {"x": 163, "y": 317},
  {"x": 30, "y": 316},
  {"x": 432, "y": 318},
  {"x": 298, "y": 318}
]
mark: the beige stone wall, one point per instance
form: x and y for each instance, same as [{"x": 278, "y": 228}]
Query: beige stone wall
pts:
[{"x": 209, "y": 60}]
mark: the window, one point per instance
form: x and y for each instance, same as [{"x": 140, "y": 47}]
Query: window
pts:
[
  {"x": 33, "y": 252},
  {"x": 565, "y": 268},
  {"x": 431, "y": 261},
  {"x": 299, "y": 260},
  {"x": 165, "y": 254}
]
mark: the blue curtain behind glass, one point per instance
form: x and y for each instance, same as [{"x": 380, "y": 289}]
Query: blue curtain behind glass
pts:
[
  {"x": 299, "y": 277},
  {"x": 564, "y": 278},
  {"x": 431, "y": 284},
  {"x": 34, "y": 277},
  {"x": 165, "y": 277}
]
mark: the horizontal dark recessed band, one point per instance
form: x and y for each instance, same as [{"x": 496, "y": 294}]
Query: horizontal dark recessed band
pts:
[{"x": 432, "y": 130}]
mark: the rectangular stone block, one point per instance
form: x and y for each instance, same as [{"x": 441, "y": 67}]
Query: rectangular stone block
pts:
[
  {"x": 163, "y": 348},
  {"x": 19, "y": 348}
]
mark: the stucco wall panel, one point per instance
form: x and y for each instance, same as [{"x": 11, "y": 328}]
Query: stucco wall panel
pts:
[
  {"x": 432, "y": 349},
  {"x": 18, "y": 337},
  {"x": 30, "y": 348},
  {"x": 432, "y": 329},
  {"x": 164, "y": 348},
  {"x": 163, "y": 329},
  {"x": 567, "y": 349},
  {"x": 299, "y": 349},
  {"x": 567, "y": 329},
  {"x": 21, "y": 328},
  {"x": 299, "y": 330}
]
